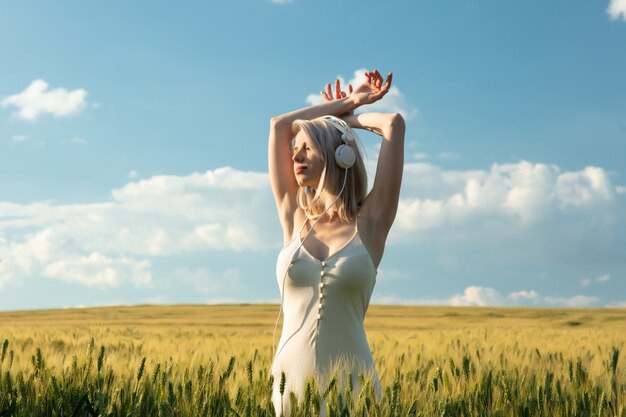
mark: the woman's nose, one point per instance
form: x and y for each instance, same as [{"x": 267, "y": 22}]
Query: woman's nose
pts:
[{"x": 297, "y": 156}]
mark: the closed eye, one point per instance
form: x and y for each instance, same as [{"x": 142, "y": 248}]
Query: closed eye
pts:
[{"x": 295, "y": 149}]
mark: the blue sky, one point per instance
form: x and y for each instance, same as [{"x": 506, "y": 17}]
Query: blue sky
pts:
[{"x": 133, "y": 159}]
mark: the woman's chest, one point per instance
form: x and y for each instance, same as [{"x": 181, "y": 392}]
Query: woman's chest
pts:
[{"x": 350, "y": 269}]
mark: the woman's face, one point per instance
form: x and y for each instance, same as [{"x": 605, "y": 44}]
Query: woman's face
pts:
[{"x": 308, "y": 163}]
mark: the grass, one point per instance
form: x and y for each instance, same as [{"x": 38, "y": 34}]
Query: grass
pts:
[{"x": 215, "y": 360}]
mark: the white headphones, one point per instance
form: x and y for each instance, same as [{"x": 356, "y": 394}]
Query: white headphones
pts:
[{"x": 344, "y": 155}]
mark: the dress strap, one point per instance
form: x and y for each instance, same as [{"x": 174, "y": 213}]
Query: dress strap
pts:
[{"x": 303, "y": 223}]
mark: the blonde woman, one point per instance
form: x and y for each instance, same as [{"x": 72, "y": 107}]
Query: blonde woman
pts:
[{"x": 334, "y": 233}]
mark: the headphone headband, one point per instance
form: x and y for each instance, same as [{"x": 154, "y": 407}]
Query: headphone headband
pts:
[{"x": 346, "y": 132}]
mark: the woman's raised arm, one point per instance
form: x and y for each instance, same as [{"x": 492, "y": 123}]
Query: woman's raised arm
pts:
[{"x": 382, "y": 201}]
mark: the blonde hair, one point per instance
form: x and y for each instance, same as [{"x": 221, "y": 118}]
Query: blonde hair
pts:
[{"x": 326, "y": 139}]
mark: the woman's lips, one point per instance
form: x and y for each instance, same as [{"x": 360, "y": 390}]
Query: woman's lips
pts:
[{"x": 300, "y": 169}]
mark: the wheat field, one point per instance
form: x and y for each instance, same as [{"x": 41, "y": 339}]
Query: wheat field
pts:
[{"x": 200, "y": 360}]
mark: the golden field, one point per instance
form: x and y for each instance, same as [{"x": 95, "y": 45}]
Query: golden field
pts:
[{"x": 431, "y": 360}]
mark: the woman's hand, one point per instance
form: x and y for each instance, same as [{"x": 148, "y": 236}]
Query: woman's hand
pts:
[
  {"x": 372, "y": 88},
  {"x": 369, "y": 92},
  {"x": 327, "y": 94}
]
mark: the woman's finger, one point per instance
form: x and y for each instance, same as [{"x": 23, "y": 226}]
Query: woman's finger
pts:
[
  {"x": 337, "y": 88},
  {"x": 329, "y": 92},
  {"x": 389, "y": 77},
  {"x": 350, "y": 88},
  {"x": 387, "y": 86}
]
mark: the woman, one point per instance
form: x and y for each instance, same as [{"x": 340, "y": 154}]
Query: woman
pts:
[{"x": 327, "y": 275}]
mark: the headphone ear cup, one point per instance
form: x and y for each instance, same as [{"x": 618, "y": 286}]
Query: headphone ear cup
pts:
[{"x": 345, "y": 156}]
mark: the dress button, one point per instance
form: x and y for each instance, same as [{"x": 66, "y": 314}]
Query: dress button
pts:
[
  {"x": 321, "y": 295},
  {"x": 321, "y": 305},
  {"x": 323, "y": 263},
  {"x": 322, "y": 274},
  {"x": 321, "y": 285},
  {"x": 319, "y": 316}
]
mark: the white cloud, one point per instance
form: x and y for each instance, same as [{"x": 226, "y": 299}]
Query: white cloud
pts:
[
  {"x": 19, "y": 138},
  {"x": 418, "y": 156},
  {"x": 448, "y": 155},
  {"x": 77, "y": 306},
  {"x": 36, "y": 99},
  {"x": 486, "y": 296},
  {"x": 583, "y": 187},
  {"x": 600, "y": 278},
  {"x": 617, "y": 9},
  {"x": 576, "y": 301},
  {"x": 393, "y": 102},
  {"x": 525, "y": 298},
  {"x": 620, "y": 189},
  {"x": 617, "y": 304},
  {"x": 477, "y": 296},
  {"x": 97, "y": 270},
  {"x": 530, "y": 296},
  {"x": 385, "y": 274},
  {"x": 133, "y": 174},
  {"x": 78, "y": 140},
  {"x": 98, "y": 304}
]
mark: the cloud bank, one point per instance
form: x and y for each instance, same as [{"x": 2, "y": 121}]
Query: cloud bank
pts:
[
  {"x": 518, "y": 194},
  {"x": 478, "y": 296},
  {"x": 555, "y": 216},
  {"x": 109, "y": 243}
]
